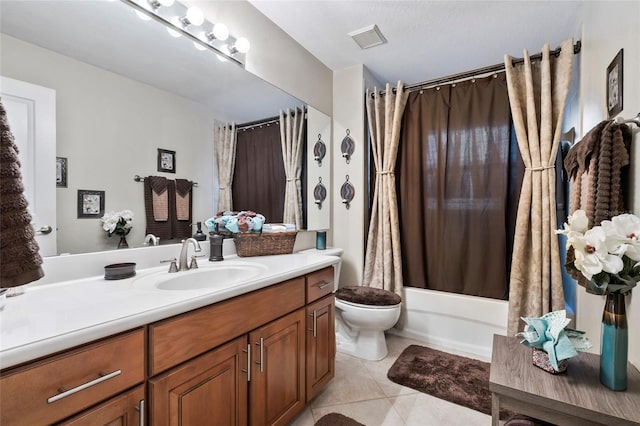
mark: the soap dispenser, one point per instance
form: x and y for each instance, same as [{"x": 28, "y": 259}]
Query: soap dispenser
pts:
[
  {"x": 215, "y": 249},
  {"x": 199, "y": 235}
]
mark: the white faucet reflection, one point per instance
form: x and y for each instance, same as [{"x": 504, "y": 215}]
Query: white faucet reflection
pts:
[
  {"x": 151, "y": 240},
  {"x": 182, "y": 261}
]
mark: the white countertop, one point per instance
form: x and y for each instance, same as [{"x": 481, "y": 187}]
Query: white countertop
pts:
[{"x": 57, "y": 316}]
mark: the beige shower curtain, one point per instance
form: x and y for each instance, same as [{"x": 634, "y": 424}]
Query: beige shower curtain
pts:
[
  {"x": 291, "y": 138},
  {"x": 537, "y": 94},
  {"x": 225, "y": 144},
  {"x": 383, "y": 260}
]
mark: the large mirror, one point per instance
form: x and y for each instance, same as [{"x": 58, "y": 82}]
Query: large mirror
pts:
[{"x": 124, "y": 88}]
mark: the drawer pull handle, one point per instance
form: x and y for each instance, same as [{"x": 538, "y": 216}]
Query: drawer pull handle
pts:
[
  {"x": 261, "y": 343},
  {"x": 102, "y": 378},
  {"x": 248, "y": 370},
  {"x": 140, "y": 408},
  {"x": 324, "y": 285},
  {"x": 315, "y": 316}
]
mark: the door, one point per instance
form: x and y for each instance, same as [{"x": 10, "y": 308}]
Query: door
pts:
[
  {"x": 277, "y": 387},
  {"x": 208, "y": 390},
  {"x": 31, "y": 111},
  {"x": 126, "y": 409},
  {"x": 321, "y": 345}
]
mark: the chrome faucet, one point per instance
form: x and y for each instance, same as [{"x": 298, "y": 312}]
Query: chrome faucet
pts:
[
  {"x": 151, "y": 240},
  {"x": 182, "y": 262}
]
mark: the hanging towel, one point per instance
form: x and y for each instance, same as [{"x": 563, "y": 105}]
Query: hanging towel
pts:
[
  {"x": 596, "y": 164},
  {"x": 183, "y": 199},
  {"x": 160, "y": 198},
  {"x": 19, "y": 252},
  {"x": 160, "y": 228},
  {"x": 182, "y": 208}
]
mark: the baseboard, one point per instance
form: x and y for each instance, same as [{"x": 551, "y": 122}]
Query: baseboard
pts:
[{"x": 448, "y": 345}]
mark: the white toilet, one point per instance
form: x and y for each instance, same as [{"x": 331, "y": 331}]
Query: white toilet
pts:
[{"x": 363, "y": 314}]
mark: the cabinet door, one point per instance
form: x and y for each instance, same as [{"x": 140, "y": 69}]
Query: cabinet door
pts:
[
  {"x": 208, "y": 390},
  {"x": 126, "y": 409},
  {"x": 277, "y": 387},
  {"x": 321, "y": 345}
]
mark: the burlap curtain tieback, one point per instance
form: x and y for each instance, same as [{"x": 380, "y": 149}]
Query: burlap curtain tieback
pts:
[{"x": 539, "y": 169}]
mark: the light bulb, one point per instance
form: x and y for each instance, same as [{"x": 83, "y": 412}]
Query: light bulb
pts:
[
  {"x": 199, "y": 46},
  {"x": 165, "y": 3},
  {"x": 143, "y": 16},
  {"x": 220, "y": 31},
  {"x": 225, "y": 50},
  {"x": 175, "y": 21},
  {"x": 194, "y": 16},
  {"x": 242, "y": 45}
]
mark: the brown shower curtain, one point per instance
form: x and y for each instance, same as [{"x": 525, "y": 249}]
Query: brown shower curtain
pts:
[
  {"x": 537, "y": 93},
  {"x": 454, "y": 188},
  {"x": 259, "y": 179}
]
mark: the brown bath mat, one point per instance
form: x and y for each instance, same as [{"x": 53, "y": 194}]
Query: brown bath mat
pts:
[
  {"x": 463, "y": 381},
  {"x": 336, "y": 419}
]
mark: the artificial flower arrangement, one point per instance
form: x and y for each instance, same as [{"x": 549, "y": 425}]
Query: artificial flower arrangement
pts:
[
  {"x": 119, "y": 223},
  {"x": 553, "y": 344},
  {"x": 607, "y": 255}
]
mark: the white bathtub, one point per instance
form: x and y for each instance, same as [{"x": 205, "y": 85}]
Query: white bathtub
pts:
[{"x": 452, "y": 321}]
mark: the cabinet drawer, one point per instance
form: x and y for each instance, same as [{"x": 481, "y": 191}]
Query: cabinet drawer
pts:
[
  {"x": 320, "y": 283},
  {"x": 183, "y": 337},
  {"x": 57, "y": 387}
]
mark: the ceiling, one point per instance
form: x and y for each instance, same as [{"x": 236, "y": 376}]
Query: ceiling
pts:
[{"x": 426, "y": 39}]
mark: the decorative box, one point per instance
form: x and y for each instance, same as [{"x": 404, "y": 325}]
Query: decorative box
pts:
[{"x": 541, "y": 360}]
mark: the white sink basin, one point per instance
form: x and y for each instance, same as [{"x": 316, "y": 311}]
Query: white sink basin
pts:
[{"x": 215, "y": 276}]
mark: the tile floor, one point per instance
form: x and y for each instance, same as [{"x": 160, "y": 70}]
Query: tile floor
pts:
[{"x": 362, "y": 391}]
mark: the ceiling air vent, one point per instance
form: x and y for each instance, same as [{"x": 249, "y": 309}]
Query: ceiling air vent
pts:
[{"x": 368, "y": 36}]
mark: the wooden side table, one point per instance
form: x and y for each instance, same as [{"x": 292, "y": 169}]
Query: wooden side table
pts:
[{"x": 575, "y": 397}]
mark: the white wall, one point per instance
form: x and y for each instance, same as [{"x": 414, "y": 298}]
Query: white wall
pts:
[
  {"x": 109, "y": 127},
  {"x": 607, "y": 28},
  {"x": 348, "y": 225}
]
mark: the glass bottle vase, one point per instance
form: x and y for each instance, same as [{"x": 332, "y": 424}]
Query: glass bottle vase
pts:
[
  {"x": 122, "y": 244},
  {"x": 614, "y": 343}
]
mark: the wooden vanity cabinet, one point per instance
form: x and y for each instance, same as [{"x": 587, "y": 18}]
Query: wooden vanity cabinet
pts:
[
  {"x": 57, "y": 387},
  {"x": 210, "y": 389},
  {"x": 321, "y": 345},
  {"x": 277, "y": 386},
  {"x": 321, "y": 337},
  {"x": 125, "y": 409}
]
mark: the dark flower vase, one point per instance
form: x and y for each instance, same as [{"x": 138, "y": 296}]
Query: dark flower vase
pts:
[
  {"x": 614, "y": 343},
  {"x": 123, "y": 242}
]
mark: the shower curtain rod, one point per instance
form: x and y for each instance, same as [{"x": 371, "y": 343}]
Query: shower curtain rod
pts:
[
  {"x": 266, "y": 121},
  {"x": 478, "y": 71}
]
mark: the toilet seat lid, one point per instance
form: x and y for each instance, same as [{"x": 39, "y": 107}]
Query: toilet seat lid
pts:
[{"x": 368, "y": 296}]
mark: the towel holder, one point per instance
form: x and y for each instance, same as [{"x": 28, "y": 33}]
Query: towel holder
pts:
[{"x": 139, "y": 178}]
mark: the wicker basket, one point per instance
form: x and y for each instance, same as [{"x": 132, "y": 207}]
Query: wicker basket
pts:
[{"x": 264, "y": 244}]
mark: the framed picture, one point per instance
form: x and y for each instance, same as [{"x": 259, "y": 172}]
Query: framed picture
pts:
[
  {"x": 614, "y": 86},
  {"x": 90, "y": 204},
  {"x": 61, "y": 172},
  {"x": 166, "y": 161}
]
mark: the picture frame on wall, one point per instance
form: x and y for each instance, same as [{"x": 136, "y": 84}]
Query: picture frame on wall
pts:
[
  {"x": 614, "y": 85},
  {"x": 166, "y": 161},
  {"x": 90, "y": 204},
  {"x": 61, "y": 172}
]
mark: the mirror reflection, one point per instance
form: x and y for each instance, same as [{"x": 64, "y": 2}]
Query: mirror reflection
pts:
[{"x": 124, "y": 92}]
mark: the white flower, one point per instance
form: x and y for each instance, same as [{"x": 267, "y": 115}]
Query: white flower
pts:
[
  {"x": 578, "y": 223},
  {"x": 624, "y": 233},
  {"x": 117, "y": 222},
  {"x": 592, "y": 256}
]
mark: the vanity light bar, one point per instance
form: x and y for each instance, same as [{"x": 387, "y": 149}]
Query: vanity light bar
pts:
[{"x": 225, "y": 48}]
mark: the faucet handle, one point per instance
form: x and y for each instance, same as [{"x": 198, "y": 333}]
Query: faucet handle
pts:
[
  {"x": 173, "y": 267},
  {"x": 194, "y": 262}
]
